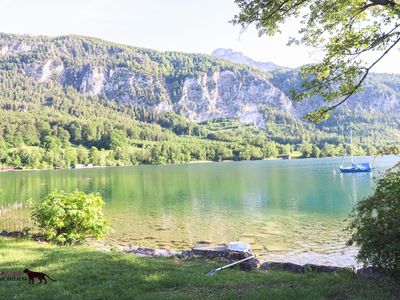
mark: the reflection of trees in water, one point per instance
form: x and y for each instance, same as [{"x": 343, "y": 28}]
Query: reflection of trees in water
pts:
[
  {"x": 6, "y": 209},
  {"x": 217, "y": 197},
  {"x": 14, "y": 217}
]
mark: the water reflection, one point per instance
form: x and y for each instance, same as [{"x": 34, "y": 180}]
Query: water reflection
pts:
[{"x": 296, "y": 205}]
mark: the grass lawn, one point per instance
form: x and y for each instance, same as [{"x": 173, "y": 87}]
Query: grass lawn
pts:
[{"x": 83, "y": 273}]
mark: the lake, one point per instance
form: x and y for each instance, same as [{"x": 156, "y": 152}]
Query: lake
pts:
[{"x": 286, "y": 209}]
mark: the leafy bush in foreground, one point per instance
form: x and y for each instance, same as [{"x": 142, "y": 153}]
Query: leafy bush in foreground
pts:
[
  {"x": 70, "y": 218},
  {"x": 375, "y": 224}
]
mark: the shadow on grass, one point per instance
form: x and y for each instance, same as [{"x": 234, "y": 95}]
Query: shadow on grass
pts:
[{"x": 83, "y": 273}]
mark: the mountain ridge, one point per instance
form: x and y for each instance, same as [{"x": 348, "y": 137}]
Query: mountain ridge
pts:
[
  {"x": 199, "y": 87},
  {"x": 240, "y": 58}
]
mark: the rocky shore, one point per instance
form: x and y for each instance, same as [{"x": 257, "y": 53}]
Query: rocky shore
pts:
[{"x": 221, "y": 252}]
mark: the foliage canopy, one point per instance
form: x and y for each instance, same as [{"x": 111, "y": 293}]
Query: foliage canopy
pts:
[
  {"x": 375, "y": 224},
  {"x": 346, "y": 31}
]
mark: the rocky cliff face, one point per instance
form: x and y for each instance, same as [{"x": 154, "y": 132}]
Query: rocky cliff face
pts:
[
  {"x": 94, "y": 69},
  {"x": 230, "y": 94},
  {"x": 381, "y": 91},
  {"x": 200, "y": 87}
]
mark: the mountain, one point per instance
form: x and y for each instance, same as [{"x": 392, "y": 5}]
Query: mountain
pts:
[
  {"x": 142, "y": 105},
  {"x": 198, "y": 86},
  {"x": 240, "y": 58}
]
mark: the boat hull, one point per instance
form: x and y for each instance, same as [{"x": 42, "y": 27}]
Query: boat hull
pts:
[{"x": 357, "y": 168}]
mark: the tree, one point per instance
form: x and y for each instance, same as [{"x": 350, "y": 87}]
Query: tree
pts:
[
  {"x": 30, "y": 157},
  {"x": 70, "y": 156},
  {"x": 270, "y": 150},
  {"x": 51, "y": 143},
  {"x": 94, "y": 156},
  {"x": 375, "y": 224},
  {"x": 306, "y": 150},
  {"x": 346, "y": 30},
  {"x": 82, "y": 155},
  {"x": 117, "y": 139},
  {"x": 315, "y": 152}
]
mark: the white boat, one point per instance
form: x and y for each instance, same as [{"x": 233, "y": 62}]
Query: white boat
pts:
[{"x": 354, "y": 168}]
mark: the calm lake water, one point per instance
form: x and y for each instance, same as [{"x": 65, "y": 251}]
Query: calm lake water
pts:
[{"x": 295, "y": 207}]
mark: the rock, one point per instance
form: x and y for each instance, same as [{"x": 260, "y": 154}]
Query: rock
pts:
[
  {"x": 371, "y": 272},
  {"x": 207, "y": 251},
  {"x": 287, "y": 267},
  {"x": 350, "y": 269},
  {"x": 250, "y": 264},
  {"x": 15, "y": 234},
  {"x": 323, "y": 269},
  {"x": 142, "y": 251},
  {"x": 185, "y": 254},
  {"x": 4, "y": 233},
  {"x": 121, "y": 248},
  {"x": 141, "y": 254},
  {"x": 164, "y": 253},
  {"x": 38, "y": 238},
  {"x": 103, "y": 249},
  {"x": 210, "y": 252},
  {"x": 294, "y": 268}
]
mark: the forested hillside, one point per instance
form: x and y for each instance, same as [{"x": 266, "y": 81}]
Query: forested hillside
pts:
[{"x": 74, "y": 99}]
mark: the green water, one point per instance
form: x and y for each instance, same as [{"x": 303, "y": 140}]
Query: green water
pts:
[{"x": 276, "y": 205}]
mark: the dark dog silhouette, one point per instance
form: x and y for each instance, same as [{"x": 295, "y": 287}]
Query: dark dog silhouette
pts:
[{"x": 41, "y": 276}]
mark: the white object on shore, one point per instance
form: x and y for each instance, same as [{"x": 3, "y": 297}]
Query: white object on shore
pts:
[{"x": 239, "y": 247}]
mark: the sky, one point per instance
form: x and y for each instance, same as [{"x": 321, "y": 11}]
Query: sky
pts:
[{"x": 195, "y": 26}]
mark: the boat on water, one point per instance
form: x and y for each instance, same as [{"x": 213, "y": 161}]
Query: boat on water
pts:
[{"x": 354, "y": 168}]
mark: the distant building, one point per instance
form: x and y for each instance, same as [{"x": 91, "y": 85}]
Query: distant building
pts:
[
  {"x": 285, "y": 156},
  {"x": 81, "y": 166}
]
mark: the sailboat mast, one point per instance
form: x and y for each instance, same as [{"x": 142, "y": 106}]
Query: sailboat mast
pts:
[{"x": 351, "y": 146}]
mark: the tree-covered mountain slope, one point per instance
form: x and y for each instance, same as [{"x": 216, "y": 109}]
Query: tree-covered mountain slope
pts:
[
  {"x": 375, "y": 109},
  {"x": 64, "y": 99}
]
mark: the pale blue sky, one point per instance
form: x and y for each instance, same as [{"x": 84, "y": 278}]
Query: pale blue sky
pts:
[{"x": 198, "y": 26}]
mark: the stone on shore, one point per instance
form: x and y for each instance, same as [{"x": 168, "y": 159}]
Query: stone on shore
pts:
[
  {"x": 371, "y": 272},
  {"x": 210, "y": 252},
  {"x": 103, "y": 249},
  {"x": 287, "y": 267},
  {"x": 319, "y": 268},
  {"x": 142, "y": 251},
  {"x": 12, "y": 233},
  {"x": 184, "y": 254},
  {"x": 249, "y": 265}
]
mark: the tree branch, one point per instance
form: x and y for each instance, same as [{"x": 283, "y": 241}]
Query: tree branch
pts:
[{"x": 358, "y": 85}]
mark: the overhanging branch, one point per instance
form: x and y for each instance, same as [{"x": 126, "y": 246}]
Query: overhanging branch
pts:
[{"x": 360, "y": 82}]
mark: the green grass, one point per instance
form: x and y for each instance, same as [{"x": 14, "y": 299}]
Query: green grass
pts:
[{"x": 83, "y": 273}]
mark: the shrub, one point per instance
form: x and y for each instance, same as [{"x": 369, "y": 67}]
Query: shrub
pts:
[
  {"x": 375, "y": 224},
  {"x": 70, "y": 218}
]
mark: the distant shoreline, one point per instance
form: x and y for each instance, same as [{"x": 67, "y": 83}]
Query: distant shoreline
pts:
[{"x": 18, "y": 169}]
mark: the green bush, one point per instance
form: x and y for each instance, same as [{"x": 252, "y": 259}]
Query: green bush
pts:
[
  {"x": 375, "y": 224},
  {"x": 70, "y": 218}
]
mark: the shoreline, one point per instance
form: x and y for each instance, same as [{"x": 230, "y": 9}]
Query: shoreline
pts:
[
  {"x": 343, "y": 258},
  {"x": 19, "y": 169},
  {"x": 207, "y": 253},
  {"x": 83, "y": 273}
]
